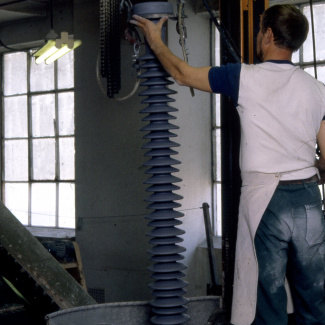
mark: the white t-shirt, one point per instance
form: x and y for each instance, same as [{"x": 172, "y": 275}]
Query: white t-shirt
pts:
[{"x": 280, "y": 108}]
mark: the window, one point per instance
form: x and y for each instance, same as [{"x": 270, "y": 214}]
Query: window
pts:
[
  {"x": 305, "y": 56},
  {"x": 38, "y": 176}
]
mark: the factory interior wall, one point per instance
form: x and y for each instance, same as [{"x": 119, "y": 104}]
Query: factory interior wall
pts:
[
  {"x": 110, "y": 195},
  {"x": 110, "y": 206}
]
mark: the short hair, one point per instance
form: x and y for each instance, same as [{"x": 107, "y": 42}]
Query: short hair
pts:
[{"x": 289, "y": 26}]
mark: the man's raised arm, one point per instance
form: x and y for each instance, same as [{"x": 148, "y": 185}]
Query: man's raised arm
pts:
[{"x": 181, "y": 72}]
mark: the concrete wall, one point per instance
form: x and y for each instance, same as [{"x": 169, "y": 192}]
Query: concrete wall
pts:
[
  {"x": 110, "y": 207},
  {"x": 109, "y": 172}
]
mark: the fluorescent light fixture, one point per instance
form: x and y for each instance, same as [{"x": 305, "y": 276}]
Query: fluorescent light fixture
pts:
[{"x": 54, "y": 49}]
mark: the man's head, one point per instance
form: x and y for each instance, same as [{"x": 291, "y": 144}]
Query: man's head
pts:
[
  {"x": 288, "y": 24},
  {"x": 282, "y": 26}
]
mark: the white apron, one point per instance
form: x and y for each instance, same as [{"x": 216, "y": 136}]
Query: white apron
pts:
[
  {"x": 272, "y": 121},
  {"x": 257, "y": 191}
]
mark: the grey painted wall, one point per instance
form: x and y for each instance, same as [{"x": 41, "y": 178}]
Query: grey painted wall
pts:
[
  {"x": 110, "y": 207},
  {"x": 109, "y": 174}
]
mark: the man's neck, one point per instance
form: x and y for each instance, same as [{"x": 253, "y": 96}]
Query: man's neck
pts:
[{"x": 277, "y": 54}]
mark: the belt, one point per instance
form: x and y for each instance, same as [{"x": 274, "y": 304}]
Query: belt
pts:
[{"x": 312, "y": 179}]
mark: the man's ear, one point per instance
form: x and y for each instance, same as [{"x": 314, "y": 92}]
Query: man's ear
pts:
[{"x": 268, "y": 36}]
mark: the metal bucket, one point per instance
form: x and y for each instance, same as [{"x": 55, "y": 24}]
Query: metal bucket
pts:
[{"x": 131, "y": 313}]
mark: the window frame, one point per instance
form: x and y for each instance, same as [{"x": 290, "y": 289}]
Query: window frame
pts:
[
  {"x": 311, "y": 64},
  {"x": 43, "y": 231}
]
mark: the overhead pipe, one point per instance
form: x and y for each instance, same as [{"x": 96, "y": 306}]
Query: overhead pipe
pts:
[{"x": 168, "y": 288}]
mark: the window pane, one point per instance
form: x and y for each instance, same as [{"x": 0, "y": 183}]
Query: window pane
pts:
[
  {"x": 217, "y": 108},
  {"x": 16, "y": 200},
  {"x": 217, "y": 47},
  {"x": 15, "y": 73},
  {"x": 319, "y": 13},
  {"x": 219, "y": 211},
  {"x": 295, "y": 57},
  {"x": 44, "y": 159},
  {"x": 67, "y": 205},
  {"x": 15, "y": 117},
  {"x": 43, "y": 204},
  {"x": 65, "y": 71},
  {"x": 16, "y": 160},
  {"x": 311, "y": 71},
  {"x": 66, "y": 158},
  {"x": 321, "y": 74},
  {"x": 66, "y": 113},
  {"x": 43, "y": 115},
  {"x": 41, "y": 76},
  {"x": 218, "y": 154}
]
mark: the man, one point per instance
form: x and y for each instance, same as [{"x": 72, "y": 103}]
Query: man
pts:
[{"x": 280, "y": 249}]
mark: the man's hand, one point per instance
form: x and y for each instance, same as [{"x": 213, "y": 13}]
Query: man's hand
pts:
[
  {"x": 181, "y": 71},
  {"x": 151, "y": 31}
]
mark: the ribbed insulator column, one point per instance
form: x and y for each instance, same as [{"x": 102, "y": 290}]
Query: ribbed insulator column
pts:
[{"x": 168, "y": 305}]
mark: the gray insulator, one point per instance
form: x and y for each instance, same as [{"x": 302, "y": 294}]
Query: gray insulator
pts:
[
  {"x": 153, "y": 9},
  {"x": 165, "y": 214},
  {"x": 170, "y": 311},
  {"x": 163, "y": 197},
  {"x": 166, "y": 250},
  {"x": 156, "y": 81},
  {"x": 155, "y": 73},
  {"x": 168, "y": 293},
  {"x": 164, "y": 223},
  {"x": 163, "y": 179},
  {"x": 165, "y": 241},
  {"x": 154, "y": 99},
  {"x": 171, "y": 302},
  {"x": 161, "y": 231},
  {"x": 159, "y": 126},
  {"x": 159, "y": 135},
  {"x": 167, "y": 275},
  {"x": 159, "y": 117},
  {"x": 162, "y": 188},
  {"x": 161, "y": 161},
  {"x": 168, "y": 303},
  {"x": 166, "y": 258},
  {"x": 162, "y": 170},
  {"x": 168, "y": 284},
  {"x": 160, "y": 143},
  {"x": 166, "y": 268},
  {"x": 157, "y": 90},
  {"x": 164, "y": 205},
  {"x": 160, "y": 152}
]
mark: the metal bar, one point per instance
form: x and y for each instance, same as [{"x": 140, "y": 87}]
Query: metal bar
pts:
[
  {"x": 211, "y": 253},
  {"x": 223, "y": 35},
  {"x": 41, "y": 267}
]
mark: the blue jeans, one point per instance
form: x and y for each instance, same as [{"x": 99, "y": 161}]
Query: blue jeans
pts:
[{"x": 290, "y": 242}]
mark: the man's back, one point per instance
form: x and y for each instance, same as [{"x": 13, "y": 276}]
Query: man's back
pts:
[{"x": 281, "y": 108}]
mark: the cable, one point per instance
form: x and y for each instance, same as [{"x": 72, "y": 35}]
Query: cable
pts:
[
  {"x": 10, "y": 48},
  {"x": 133, "y": 91}
]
